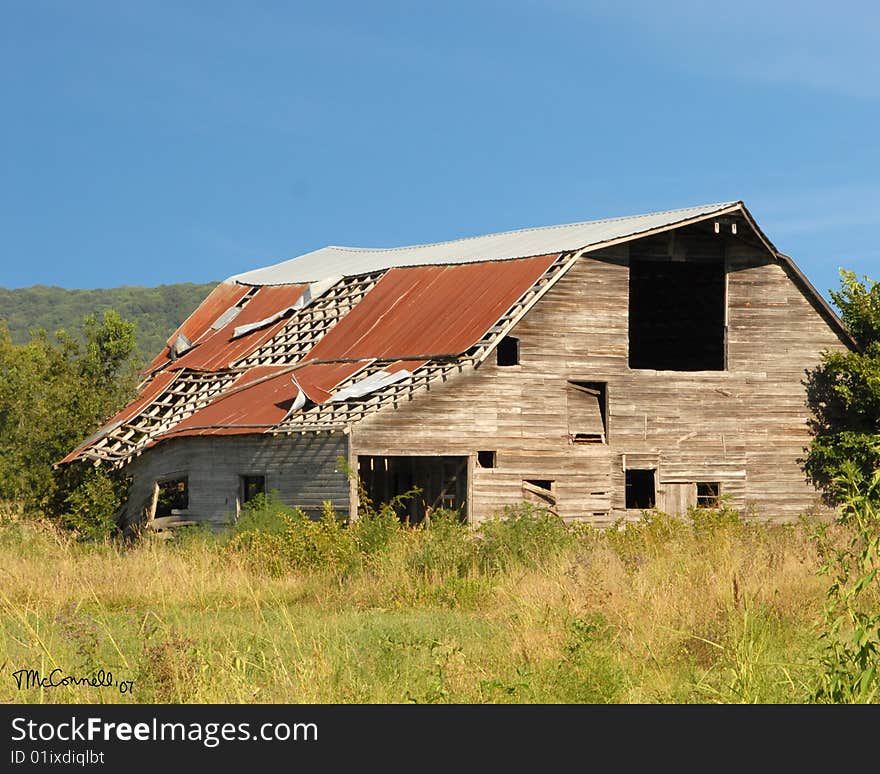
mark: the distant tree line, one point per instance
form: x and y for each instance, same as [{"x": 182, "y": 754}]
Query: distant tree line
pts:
[{"x": 156, "y": 311}]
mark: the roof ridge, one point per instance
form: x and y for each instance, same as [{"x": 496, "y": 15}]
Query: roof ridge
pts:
[{"x": 352, "y": 249}]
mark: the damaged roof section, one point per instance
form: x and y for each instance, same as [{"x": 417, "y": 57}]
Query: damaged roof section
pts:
[
  {"x": 147, "y": 395},
  {"x": 262, "y": 397},
  {"x": 218, "y": 302},
  {"x": 352, "y": 340},
  {"x": 261, "y": 315}
]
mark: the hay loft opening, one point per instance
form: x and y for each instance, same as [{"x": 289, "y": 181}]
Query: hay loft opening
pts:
[
  {"x": 676, "y": 314},
  {"x": 442, "y": 482}
]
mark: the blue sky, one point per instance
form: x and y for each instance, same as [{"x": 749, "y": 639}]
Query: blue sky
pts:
[{"x": 160, "y": 142}]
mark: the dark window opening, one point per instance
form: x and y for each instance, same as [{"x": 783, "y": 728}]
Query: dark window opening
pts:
[
  {"x": 540, "y": 483},
  {"x": 251, "y": 486},
  {"x": 172, "y": 496},
  {"x": 640, "y": 493},
  {"x": 508, "y": 351},
  {"x": 708, "y": 494},
  {"x": 486, "y": 459},
  {"x": 676, "y": 315},
  {"x": 442, "y": 484},
  {"x": 587, "y": 412}
]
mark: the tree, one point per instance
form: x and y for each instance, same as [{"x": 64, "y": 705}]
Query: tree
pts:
[
  {"x": 53, "y": 394},
  {"x": 843, "y": 393}
]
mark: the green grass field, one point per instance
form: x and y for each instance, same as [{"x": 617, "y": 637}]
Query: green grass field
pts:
[{"x": 704, "y": 609}]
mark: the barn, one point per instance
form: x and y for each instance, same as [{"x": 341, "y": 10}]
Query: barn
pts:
[{"x": 596, "y": 368}]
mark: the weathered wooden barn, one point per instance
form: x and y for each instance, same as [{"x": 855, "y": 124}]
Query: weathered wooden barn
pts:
[{"x": 598, "y": 368}]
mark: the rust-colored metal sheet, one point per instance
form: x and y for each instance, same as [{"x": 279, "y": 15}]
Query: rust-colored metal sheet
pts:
[
  {"x": 430, "y": 310},
  {"x": 152, "y": 390},
  {"x": 256, "y": 401},
  {"x": 218, "y": 349},
  {"x": 221, "y": 298},
  {"x": 261, "y": 397}
]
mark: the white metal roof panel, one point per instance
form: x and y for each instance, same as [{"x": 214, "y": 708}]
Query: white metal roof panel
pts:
[{"x": 349, "y": 261}]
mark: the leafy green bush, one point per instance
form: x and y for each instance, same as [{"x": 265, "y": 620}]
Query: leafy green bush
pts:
[
  {"x": 273, "y": 538},
  {"x": 851, "y": 635},
  {"x": 522, "y": 535},
  {"x": 709, "y": 521},
  {"x": 634, "y": 541},
  {"x": 92, "y": 507},
  {"x": 844, "y": 393},
  {"x": 373, "y": 531},
  {"x": 442, "y": 545},
  {"x": 54, "y": 393}
]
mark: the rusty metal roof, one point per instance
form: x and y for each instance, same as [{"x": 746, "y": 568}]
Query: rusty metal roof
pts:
[
  {"x": 217, "y": 349},
  {"x": 410, "y": 316},
  {"x": 221, "y": 298},
  {"x": 430, "y": 310},
  {"x": 261, "y": 397}
]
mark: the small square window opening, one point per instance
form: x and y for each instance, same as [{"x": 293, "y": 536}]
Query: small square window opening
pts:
[
  {"x": 508, "y": 351},
  {"x": 486, "y": 459},
  {"x": 708, "y": 494}
]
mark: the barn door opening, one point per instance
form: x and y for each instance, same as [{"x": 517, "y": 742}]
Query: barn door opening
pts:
[{"x": 442, "y": 481}]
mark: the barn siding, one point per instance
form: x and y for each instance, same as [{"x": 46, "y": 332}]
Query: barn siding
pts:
[
  {"x": 745, "y": 427},
  {"x": 303, "y": 469}
]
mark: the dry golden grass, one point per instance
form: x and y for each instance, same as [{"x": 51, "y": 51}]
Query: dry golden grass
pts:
[{"x": 664, "y": 611}]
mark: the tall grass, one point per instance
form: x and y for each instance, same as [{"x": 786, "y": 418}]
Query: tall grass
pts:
[{"x": 523, "y": 608}]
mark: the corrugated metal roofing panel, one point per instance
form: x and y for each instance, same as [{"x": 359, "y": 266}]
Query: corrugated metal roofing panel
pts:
[
  {"x": 378, "y": 380},
  {"x": 429, "y": 310},
  {"x": 256, "y": 401},
  {"x": 261, "y": 397},
  {"x": 348, "y": 261},
  {"x": 218, "y": 349},
  {"x": 148, "y": 394},
  {"x": 218, "y": 301}
]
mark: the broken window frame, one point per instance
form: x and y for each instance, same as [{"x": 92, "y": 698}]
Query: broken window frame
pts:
[
  {"x": 599, "y": 391},
  {"x": 541, "y": 491},
  {"x": 166, "y": 481}
]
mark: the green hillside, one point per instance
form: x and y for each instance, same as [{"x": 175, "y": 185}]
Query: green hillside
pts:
[{"x": 156, "y": 311}]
